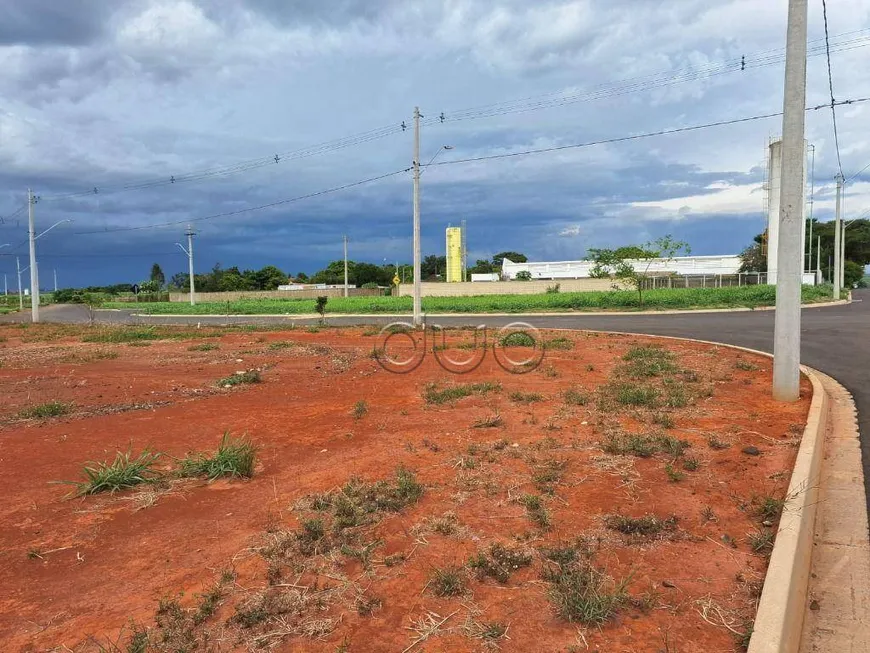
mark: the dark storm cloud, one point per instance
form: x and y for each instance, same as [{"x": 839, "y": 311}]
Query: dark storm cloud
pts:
[
  {"x": 54, "y": 22},
  {"x": 293, "y": 13}
]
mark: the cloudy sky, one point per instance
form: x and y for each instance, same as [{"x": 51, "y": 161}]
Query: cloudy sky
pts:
[{"x": 122, "y": 96}]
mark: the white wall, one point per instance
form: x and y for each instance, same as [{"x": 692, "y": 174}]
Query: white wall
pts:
[{"x": 684, "y": 265}]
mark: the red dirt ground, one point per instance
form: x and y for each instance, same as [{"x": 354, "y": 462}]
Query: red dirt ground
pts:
[{"x": 76, "y": 573}]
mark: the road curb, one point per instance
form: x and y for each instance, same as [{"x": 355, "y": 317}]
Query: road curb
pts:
[{"x": 781, "y": 610}]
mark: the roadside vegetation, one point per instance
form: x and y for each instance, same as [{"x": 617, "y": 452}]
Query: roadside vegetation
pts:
[{"x": 621, "y": 300}]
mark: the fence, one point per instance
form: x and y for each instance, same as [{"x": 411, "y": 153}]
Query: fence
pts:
[{"x": 707, "y": 280}]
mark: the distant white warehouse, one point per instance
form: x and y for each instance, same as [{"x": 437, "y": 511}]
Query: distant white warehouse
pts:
[{"x": 681, "y": 265}]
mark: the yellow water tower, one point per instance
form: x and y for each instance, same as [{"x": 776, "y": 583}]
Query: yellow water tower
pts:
[{"x": 454, "y": 254}]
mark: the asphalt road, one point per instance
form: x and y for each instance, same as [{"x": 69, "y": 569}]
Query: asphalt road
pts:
[{"x": 833, "y": 340}]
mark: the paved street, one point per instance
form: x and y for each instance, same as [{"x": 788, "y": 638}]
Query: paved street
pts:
[{"x": 833, "y": 340}]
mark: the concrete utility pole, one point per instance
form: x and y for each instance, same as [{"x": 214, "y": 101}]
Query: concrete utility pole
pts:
[
  {"x": 819, "y": 259},
  {"x": 345, "y": 266},
  {"x": 34, "y": 274},
  {"x": 787, "y": 325},
  {"x": 189, "y": 251},
  {"x": 843, "y": 257},
  {"x": 812, "y": 193},
  {"x": 463, "y": 225},
  {"x": 418, "y": 289},
  {"x": 55, "y": 280},
  {"x": 835, "y": 273},
  {"x": 20, "y": 293}
]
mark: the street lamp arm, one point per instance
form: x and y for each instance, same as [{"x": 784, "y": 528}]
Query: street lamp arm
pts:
[
  {"x": 49, "y": 229},
  {"x": 435, "y": 156},
  {"x": 182, "y": 248}
]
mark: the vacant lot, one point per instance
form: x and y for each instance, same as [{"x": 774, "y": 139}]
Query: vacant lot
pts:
[
  {"x": 280, "y": 490},
  {"x": 623, "y": 300}
]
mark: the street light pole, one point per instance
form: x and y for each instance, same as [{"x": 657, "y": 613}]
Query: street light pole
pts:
[
  {"x": 34, "y": 275},
  {"x": 787, "y": 321},
  {"x": 418, "y": 310},
  {"x": 20, "y": 293},
  {"x": 835, "y": 273},
  {"x": 345, "y": 266},
  {"x": 55, "y": 279},
  {"x": 189, "y": 251}
]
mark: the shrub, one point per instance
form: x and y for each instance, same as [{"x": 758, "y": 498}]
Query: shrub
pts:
[
  {"x": 447, "y": 581},
  {"x": 499, "y": 562}
]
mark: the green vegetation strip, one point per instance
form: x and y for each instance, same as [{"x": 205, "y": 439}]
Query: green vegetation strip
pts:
[{"x": 664, "y": 299}]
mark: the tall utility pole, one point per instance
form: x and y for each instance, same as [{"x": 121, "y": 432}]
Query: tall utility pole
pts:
[
  {"x": 835, "y": 273},
  {"x": 818, "y": 259},
  {"x": 463, "y": 226},
  {"x": 418, "y": 308},
  {"x": 34, "y": 274},
  {"x": 190, "y": 234},
  {"x": 843, "y": 256},
  {"x": 20, "y": 293},
  {"x": 189, "y": 251},
  {"x": 787, "y": 325},
  {"x": 55, "y": 280},
  {"x": 345, "y": 266},
  {"x": 812, "y": 193}
]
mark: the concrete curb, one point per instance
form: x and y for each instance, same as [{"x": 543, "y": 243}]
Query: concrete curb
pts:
[
  {"x": 780, "y": 616},
  {"x": 312, "y": 316}
]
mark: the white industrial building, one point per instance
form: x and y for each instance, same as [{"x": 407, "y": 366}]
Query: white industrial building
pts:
[{"x": 681, "y": 265}]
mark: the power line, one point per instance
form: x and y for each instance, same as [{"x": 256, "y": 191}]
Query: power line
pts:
[
  {"x": 454, "y": 162},
  {"x": 647, "y": 82},
  {"x": 831, "y": 87},
  {"x": 261, "y": 207},
  {"x": 849, "y": 40},
  {"x": 858, "y": 173},
  {"x": 621, "y": 139},
  {"x": 12, "y": 216},
  {"x": 243, "y": 166}
]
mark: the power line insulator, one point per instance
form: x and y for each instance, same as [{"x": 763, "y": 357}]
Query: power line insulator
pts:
[
  {"x": 442, "y": 117},
  {"x": 277, "y": 158},
  {"x": 404, "y": 126},
  {"x": 743, "y": 63}
]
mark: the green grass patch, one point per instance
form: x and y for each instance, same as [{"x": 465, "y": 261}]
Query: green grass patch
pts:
[
  {"x": 575, "y": 397},
  {"x": 646, "y": 526},
  {"x": 518, "y": 339},
  {"x": 648, "y": 361},
  {"x": 124, "y": 472},
  {"x": 561, "y": 343},
  {"x": 447, "y": 581},
  {"x": 499, "y": 562},
  {"x": 633, "y": 394},
  {"x": 234, "y": 457},
  {"x": 358, "y": 501},
  {"x": 663, "y": 299},
  {"x": 536, "y": 510},
  {"x": 525, "y": 397},
  {"x": 433, "y": 394},
  {"x": 206, "y": 346},
  {"x": 46, "y": 411},
  {"x": 360, "y": 409},
  {"x": 241, "y": 378},
  {"x": 583, "y": 594}
]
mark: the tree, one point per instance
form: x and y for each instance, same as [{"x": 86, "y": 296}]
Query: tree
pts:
[
  {"x": 301, "y": 277},
  {"x": 524, "y": 275},
  {"x": 853, "y": 273},
  {"x": 157, "y": 275},
  {"x": 180, "y": 281},
  {"x": 607, "y": 262},
  {"x": 754, "y": 257},
  {"x": 433, "y": 266},
  {"x": 482, "y": 266},
  {"x": 514, "y": 257}
]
